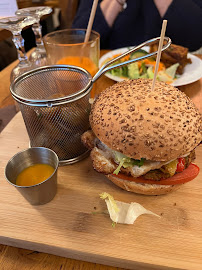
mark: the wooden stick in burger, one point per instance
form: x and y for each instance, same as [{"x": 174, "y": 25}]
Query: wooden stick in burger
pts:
[{"x": 163, "y": 30}]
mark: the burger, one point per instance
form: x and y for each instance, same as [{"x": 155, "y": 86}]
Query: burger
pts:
[{"x": 144, "y": 140}]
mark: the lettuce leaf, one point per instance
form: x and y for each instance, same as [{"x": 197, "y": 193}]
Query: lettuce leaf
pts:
[
  {"x": 112, "y": 202},
  {"x": 168, "y": 75},
  {"x": 124, "y": 213},
  {"x": 126, "y": 162},
  {"x": 150, "y": 73},
  {"x": 164, "y": 77},
  {"x": 171, "y": 71}
]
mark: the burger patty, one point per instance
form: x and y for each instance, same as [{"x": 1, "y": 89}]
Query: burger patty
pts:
[{"x": 103, "y": 161}]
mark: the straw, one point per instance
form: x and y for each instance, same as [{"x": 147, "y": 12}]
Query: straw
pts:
[
  {"x": 163, "y": 30},
  {"x": 91, "y": 19}
]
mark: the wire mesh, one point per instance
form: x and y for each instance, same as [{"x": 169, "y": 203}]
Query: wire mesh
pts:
[{"x": 58, "y": 126}]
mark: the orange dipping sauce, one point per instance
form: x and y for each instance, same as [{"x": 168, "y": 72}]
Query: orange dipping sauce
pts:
[{"x": 34, "y": 175}]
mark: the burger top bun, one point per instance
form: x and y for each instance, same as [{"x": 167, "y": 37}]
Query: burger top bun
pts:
[{"x": 159, "y": 125}]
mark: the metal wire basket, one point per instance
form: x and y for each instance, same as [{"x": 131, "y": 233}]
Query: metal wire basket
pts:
[{"x": 54, "y": 102}]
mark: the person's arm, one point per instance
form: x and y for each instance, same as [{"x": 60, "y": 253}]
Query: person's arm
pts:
[{"x": 111, "y": 9}]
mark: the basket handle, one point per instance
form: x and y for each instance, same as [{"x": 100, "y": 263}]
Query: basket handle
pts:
[{"x": 106, "y": 67}]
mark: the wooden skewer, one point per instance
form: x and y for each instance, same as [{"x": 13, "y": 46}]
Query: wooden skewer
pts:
[
  {"x": 89, "y": 28},
  {"x": 91, "y": 19},
  {"x": 163, "y": 30}
]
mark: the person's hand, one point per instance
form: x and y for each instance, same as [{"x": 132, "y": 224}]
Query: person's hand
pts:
[{"x": 111, "y": 9}]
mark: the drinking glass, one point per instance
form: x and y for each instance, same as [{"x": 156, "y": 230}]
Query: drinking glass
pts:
[
  {"x": 67, "y": 47},
  {"x": 15, "y": 24},
  {"x": 38, "y": 56}
]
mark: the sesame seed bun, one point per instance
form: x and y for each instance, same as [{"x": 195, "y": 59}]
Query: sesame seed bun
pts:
[
  {"x": 159, "y": 125},
  {"x": 145, "y": 189}
]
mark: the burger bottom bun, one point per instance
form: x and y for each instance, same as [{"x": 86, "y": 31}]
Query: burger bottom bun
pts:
[{"x": 146, "y": 189}]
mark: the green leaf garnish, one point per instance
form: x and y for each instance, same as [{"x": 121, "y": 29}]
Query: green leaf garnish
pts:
[
  {"x": 119, "y": 167},
  {"x": 113, "y": 224},
  {"x": 106, "y": 195},
  {"x": 137, "y": 162},
  {"x": 125, "y": 161}
]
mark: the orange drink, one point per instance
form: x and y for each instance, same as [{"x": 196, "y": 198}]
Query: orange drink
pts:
[
  {"x": 83, "y": 62},
  {"x": 79, "y": 61},
  {"x": 67, "y": 47}
]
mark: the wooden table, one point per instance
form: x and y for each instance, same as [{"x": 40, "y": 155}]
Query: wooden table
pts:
[{"x": 16, "y": 258}]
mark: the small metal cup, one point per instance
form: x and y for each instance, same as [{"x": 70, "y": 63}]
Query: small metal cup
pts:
[{"x": 43, "y": 192}]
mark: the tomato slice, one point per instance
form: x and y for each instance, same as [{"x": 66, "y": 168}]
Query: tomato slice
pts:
[
  {"x": 180, "y": 165},
  {"x": 187, "y": 175}
]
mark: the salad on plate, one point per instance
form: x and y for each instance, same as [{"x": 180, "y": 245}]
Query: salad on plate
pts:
[{"x": 142, "y": 69}]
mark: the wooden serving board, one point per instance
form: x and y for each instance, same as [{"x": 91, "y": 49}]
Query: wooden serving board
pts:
[{"x": 67, "y": 226}]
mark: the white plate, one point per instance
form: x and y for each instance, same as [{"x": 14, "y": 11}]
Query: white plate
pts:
[{"x": 192, "y": 72}]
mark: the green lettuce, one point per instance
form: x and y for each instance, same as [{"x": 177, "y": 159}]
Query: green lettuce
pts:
[
  {"x": 126, "y": 162},
  {"x": 113, "y": 204}
]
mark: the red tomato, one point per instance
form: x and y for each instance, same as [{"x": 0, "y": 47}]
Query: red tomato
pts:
[
  {"x": 187, "y": 175},
  {"x": 180, "y": 165}
]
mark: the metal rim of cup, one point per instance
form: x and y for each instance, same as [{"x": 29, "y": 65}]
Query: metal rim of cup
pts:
[
  {"x": 13, "y": 157},
  {"x": 65, "y": 162},
  {"x": 47, "y": 36}
]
